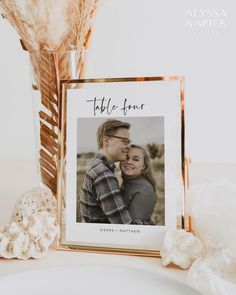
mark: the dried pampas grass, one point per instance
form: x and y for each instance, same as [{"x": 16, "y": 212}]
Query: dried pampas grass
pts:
[
  {"x": 50, "y": 25},
  {"x": 56, "y": 33}
]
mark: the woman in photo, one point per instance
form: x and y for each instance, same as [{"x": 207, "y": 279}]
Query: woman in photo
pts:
[{"x": 139, "y": 186}]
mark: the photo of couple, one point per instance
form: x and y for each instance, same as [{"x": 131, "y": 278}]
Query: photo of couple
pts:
[{"x": 121, "y": 181}]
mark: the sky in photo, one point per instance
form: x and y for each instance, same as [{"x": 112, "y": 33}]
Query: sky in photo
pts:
[{"x": 143, "y": 130}]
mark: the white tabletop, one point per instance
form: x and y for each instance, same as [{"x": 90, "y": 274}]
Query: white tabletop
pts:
[
  {"x": 20, "y": 176},
  {"x": 60, "y": 258}
]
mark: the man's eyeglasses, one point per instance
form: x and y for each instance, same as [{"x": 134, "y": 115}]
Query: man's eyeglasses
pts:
[{"x": 125, "y": 140}]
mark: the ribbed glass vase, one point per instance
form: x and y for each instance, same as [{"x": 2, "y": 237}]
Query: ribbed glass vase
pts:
[{"x": 48, "y": 69}]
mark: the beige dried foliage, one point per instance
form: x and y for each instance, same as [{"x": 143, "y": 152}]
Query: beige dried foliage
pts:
[
  {"x": 50, "y": 25},
  {"x": 49, "y": 28}
]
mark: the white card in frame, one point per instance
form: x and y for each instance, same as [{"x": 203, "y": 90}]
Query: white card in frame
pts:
[{"x": 121, "y": 171}]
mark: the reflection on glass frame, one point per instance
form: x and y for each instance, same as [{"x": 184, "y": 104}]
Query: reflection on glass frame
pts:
[{"x": 121, "y": 163}]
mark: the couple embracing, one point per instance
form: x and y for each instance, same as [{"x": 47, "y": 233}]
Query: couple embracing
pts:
[{"x": 102, "y": 199}]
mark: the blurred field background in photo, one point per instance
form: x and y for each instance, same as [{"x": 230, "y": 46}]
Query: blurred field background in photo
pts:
[{"x": 156, "y": 154}]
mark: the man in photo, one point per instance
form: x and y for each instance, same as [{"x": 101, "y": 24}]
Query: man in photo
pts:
[{"x": 100, "y": 200}]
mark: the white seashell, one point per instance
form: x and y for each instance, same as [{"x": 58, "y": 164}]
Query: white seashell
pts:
[
  {"x": 32, "y": 229},
  {"x": 29, "y": 238},
  {"x": 180, "y": 248},
  {"x": 34, "y": 201}
]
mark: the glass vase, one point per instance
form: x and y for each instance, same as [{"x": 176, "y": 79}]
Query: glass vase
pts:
[{"x": 48, "y": 69}]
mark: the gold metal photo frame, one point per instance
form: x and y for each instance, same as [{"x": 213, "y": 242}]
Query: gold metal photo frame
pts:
[{"x": 154, "y": 107}]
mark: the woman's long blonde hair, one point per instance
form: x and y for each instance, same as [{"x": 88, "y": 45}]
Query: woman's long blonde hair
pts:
[{"x": 147, "y": 171}]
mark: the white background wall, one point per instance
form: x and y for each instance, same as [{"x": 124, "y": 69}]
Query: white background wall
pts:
[{"x": 139, "y": 38}]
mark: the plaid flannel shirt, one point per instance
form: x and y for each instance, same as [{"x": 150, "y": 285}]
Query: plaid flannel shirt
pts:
[{"x": 100, "y": 198}]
